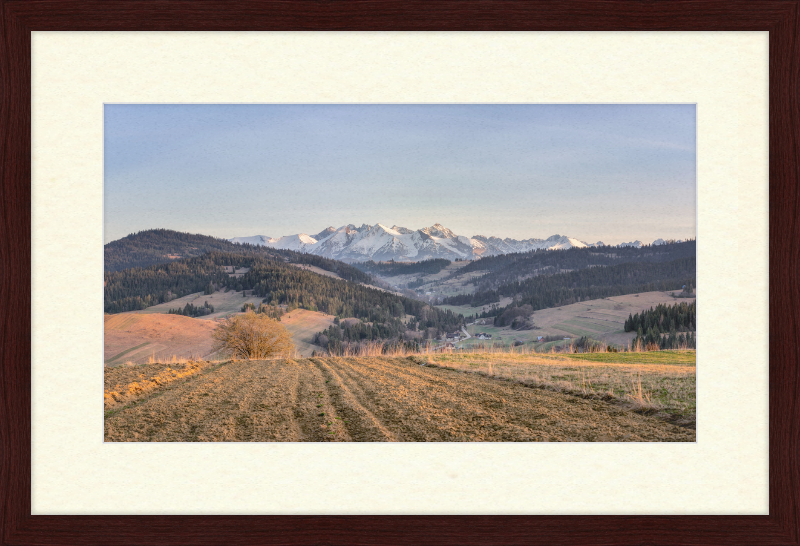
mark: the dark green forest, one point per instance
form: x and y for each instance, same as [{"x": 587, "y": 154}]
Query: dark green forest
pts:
[
  {"x": 155, "y": 246},
  {"x": 545, "y": 291},
  {"x": 668, "y": 326},
  {"x": 392, "y": 268},
  {"x": 507, "y": 268}
]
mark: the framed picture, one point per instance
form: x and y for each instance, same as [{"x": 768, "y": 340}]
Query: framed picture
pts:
[{"x": 30, "y": 519}]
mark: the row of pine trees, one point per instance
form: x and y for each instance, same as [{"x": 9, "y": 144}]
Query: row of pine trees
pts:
[
  {"x": 190, "y": 310},
  {"x": 664, "y": 319},
  {"x": 664, "y": 326}
]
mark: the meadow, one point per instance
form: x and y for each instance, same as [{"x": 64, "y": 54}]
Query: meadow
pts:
[
  {"x": 225, "y": 303},
  {"x": 660, "y": 383},
  {"x": 139, "y": 338},
  {"x": 601, "y": 319}
]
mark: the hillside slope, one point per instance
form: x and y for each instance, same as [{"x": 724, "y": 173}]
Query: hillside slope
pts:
[{"x": 130, "y": 337}]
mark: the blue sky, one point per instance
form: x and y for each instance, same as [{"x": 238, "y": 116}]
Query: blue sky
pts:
[{"x": 595, "y": 172}]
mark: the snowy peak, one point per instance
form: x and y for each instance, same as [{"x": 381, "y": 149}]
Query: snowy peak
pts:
[
  {"x": 324, "y": 233},
  {"x": 438, "y": 230},
  {"x": 292, "y": 242},
  {"x": 381, "y": 243}
]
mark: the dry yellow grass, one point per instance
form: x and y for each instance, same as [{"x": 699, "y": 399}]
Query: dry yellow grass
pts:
[
  {"x": 662, "y": 383},
  {"x": 133, "y": 337},
  {"x": 302, "y": 325},
  {"x": 131, "y": 383},
  {"x": 142, "y": 338}
]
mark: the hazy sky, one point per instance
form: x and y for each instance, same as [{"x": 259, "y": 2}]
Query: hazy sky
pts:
[{"x": 595, "y": 172}]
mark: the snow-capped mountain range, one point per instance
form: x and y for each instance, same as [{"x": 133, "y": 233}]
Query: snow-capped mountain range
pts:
[{"x": 380, "y": 243}]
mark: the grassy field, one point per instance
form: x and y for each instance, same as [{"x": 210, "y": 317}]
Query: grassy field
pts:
[
  {"x": 138, "y": 338},
  {"x": 468, "y": 311},
  {"x": 676, "y": 358},
  {"x": 660, "y": 382},
  {"x": 593, "y": 325},
  {"x": 225, "y": 303},
  {"x": 317, "y": 270},
  {"x": 602, "y": 319},
  {"x": 374, "y": 399},
  {"x": 302, "y": 325}
]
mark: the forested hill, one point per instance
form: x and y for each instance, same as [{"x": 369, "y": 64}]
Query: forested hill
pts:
[
  {"x": 392, "y": 268},
  {"x": 585, "y": 284},
  {"x": 507, "y": 268},
  {"x": 160, "y": 246},
  {"x": 278, "y": 283}
]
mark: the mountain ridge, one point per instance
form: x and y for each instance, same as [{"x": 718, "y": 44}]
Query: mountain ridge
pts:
[{"x": 378, "y": 242}]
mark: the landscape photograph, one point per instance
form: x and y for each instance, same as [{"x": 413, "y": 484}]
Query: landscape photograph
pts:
[{"x": 400, "y": 273}]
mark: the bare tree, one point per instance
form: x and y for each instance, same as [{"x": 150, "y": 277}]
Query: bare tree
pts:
[{"x": 252, "y": 336}]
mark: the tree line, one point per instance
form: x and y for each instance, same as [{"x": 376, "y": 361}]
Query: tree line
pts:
[
  {"x": 664, "y": 318},
  {"x": 190, "y": 310},
  {"x": 556, "y": 290},
  {"x": 505, "y": 268},
  {"x": 664, "y": 326},
  {"x": 392, "y": 268},
  {"x": 426, "y": 323},
  {"x": 272, "y": 311}
]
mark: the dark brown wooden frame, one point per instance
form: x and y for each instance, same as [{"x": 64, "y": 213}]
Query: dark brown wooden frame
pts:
[{"x": 18, "y": 18}]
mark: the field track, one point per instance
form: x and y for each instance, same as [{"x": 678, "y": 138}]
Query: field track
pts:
[{"x": 355, "y": 399}]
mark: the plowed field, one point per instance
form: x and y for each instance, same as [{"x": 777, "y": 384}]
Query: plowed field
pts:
[{"x": 354, "y": 400}]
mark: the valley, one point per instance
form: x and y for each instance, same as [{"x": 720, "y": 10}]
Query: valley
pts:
[{"x": 601, "y": 319}]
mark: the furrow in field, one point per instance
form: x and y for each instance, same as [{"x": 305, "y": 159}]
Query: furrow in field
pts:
[
  {"x": 240, "y": 401},
  {"x": 352, "y": 405},
  {"x": 315, "y": 410},
  {"x": 423, "y": 404}
]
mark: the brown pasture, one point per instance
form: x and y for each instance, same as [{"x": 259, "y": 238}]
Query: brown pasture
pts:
[
  {"x": 302, "y": 325},
  {"x": 134, "y": 337}
]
